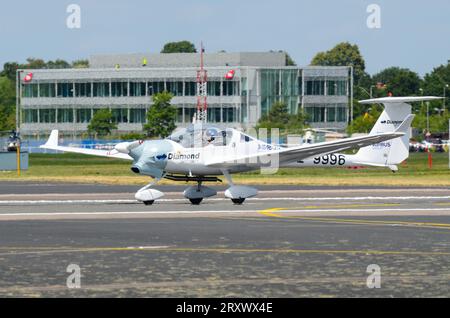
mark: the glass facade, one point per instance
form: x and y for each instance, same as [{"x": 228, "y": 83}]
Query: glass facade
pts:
[
  {"x": 47, "y": 115},
  {"x": 279, "y": 85},
  {"x": 120, "y": 115},
  {"x": 83, "y": 90},
  {"x": 137, "y": 88},
  {"x": 83, "y": 115},
  {"x": 64, "y": 89},
  {"x": 101, "y": 89},
  {"x": 30, "y": 90},
  {"x": 319, "y": 113},
  {"x": 119, "y": 89},
  {"x": 239, "y": 100},
  {"x": 65, "y": 115},
  {"x": 47, "y": 90},
  {"x": 137, "y": 115},
  {"x": 175, "y": 88},
  {"x": 30, "y": 116}
]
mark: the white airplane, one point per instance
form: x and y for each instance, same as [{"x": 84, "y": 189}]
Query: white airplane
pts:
[{"x": 200, "y": 153}]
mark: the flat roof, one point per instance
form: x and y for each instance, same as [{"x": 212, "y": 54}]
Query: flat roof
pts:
[{"x": 262, "y": 59}]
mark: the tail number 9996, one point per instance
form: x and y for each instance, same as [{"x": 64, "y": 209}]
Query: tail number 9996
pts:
[{"x": 332, "y": 160}]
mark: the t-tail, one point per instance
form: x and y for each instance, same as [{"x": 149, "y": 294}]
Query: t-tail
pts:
[{"x": 395, "y": 116}]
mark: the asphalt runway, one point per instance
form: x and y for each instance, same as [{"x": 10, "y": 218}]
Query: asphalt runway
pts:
[{"x": 287, "y": 242}]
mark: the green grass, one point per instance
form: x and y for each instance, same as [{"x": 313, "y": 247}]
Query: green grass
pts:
[{"x": 81, "y": 168}]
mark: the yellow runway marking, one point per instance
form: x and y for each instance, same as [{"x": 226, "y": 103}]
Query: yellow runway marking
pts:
[
  {"x": 272, "y": 213},
  {"x": 227, "y": 250}
]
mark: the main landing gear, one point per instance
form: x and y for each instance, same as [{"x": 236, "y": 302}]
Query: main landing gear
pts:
[
  {"x": 195, "y": 194},
  {"x": 236, "y": 193}
]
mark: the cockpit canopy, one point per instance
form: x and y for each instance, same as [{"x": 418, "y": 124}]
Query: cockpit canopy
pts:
[{"x": 201, "y": 135}]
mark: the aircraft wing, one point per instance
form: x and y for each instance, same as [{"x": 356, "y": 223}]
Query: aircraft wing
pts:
[
  {"x": 52, "y": 144},
  {"x": 287, "y": 155}
]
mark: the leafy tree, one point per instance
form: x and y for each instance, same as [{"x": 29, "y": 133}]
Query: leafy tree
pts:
[
  {"x": 179, "y": 47},
  {"x": 399, "y": 81},
  {"x": 7, "y": 104},
  {"x": 9, "y": 70},
  {"x": 438, "y": 119},
  {"x": 365, "y": 122},
  {"x": 80, "y": 64},
  {"x": 57, "y": 64},
  {"x": 33, "y": 63},
  {"x": 343, "y": 54},
  {"x": 161, "y": 116},
  {"x": 102, "y": 123},
  {"x": 280, "y": 118},
  {"x": 434, "y": 83}
]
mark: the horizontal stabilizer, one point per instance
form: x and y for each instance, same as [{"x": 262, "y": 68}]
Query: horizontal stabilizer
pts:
[{"x": 393, "y": 100}]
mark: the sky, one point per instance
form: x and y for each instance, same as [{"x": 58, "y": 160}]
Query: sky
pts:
[{"x": 413, "y": 33}]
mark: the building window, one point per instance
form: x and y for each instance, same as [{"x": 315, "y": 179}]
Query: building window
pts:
[
  {"x": 65, "y": 89},
  {"x": 315, "y": 87},
  {"x": 316, "y": 114},
  {"x": 180, "y": 114},
  {"x": 331, "y": 114},
  {"x": 137, "y": 115},
  {"x": 229, "y": 115},
  {"x": 175, "y": 88},
  {"x": 230, "y": 88},
  {"x": 120, "y": 115},
  {"x": 83, "y": 89},
  {"x": 189, "y": 114},
  {"x": 190, "y": 88},
  {"x": 337, "y": 88},
  {"x": 101, "y": 90},
  {"x": 47, "y": 90},
  {"x": 65, "y": 115},
  {"x": 213, "y": 88},
  {"x": 137, "y": 88},
  {"x": 119, "y": 89},
  {"x": 30, "y": 116},
  {"x": 83, "y": 115},
  {"x": 47, "y": 115},
  {"x": 214, "y": 114},
  {"x": 30, "y": 90},
  {"x": 341, "y": 114},
  {"x": 155, "y": 87}
]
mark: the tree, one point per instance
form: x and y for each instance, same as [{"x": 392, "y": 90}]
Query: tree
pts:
[
  {"x": 399, "y": 81},
  {"x": 57, "y": 64},
  {"x": 161, "y": 116},
  {"x": 365, "y": 122},
  {"x": 434, "y": 83},
  {"x": 280, "y": 118},
  {"x": 80, "y": 64},
  {"x": 102, "y": 123},
  {"x": 7, "y": 104},
  {"x": 9, "y": 70},
  {"x": 343, "y": 54},
  {"x": 179, "y": 47}
]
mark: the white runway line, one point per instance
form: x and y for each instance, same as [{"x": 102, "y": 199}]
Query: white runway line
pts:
[
  {"x": 123, "y": 213},
  {"x": 31, "y": 202}
]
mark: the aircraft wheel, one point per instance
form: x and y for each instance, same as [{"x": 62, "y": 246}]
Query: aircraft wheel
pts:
[
  {"x": 149, "y": 202},
  {"x": 196, "y": 201},
  {"x": 238, "y": 201}
]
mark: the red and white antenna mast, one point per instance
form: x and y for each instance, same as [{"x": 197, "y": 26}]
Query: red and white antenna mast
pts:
[{"x": 202, "y": 80}]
